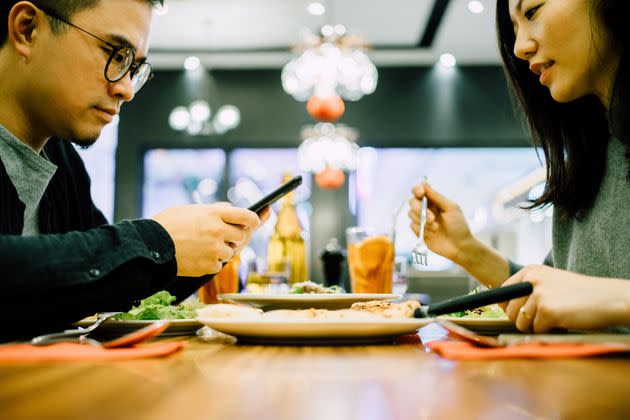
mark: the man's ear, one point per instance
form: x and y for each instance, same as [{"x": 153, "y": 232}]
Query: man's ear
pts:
[{"x": 23, "y": 23}]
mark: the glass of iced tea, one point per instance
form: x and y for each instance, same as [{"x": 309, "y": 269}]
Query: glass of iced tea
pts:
[{"x": 370, "y": 260}]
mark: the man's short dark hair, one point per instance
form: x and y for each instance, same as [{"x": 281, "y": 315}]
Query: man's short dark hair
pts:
[{"x": 64, "y": 8}]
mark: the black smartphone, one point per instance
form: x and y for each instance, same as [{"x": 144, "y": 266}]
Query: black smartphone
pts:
[{"x": 276, "y": 194}]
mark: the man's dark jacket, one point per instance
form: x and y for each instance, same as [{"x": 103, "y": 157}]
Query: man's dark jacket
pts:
[{"x": 79, "y": 264}]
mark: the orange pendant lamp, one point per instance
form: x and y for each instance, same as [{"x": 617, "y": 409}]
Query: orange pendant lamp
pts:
[
  {"x": 330, "y": 178},
  {"x": 325, "y": 108}
]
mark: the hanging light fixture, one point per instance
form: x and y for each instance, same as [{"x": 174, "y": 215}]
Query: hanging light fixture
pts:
[
  {"x": 331, "y": 63},
  {"x": 329, "y": 67},
  {"x": 196, "y": 119},
  {"x": 328, "y": 146}
]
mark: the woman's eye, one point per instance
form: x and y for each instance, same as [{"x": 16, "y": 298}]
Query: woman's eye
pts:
[{"x": 529, "y": 13}]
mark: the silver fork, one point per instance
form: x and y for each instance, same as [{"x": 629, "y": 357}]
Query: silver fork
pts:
[
  {"x": 68, "y": 334},
  {"x": 420, "y": 251}
]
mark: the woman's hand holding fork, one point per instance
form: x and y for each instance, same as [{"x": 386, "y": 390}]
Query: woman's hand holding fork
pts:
[{"x": 446, "y": 233}]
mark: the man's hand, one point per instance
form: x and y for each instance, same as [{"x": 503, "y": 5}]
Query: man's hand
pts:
[{"x": 206, "y": 236}]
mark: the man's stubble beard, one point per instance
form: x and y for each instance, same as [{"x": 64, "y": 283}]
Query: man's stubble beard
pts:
[{"x": 85, "y": 143}]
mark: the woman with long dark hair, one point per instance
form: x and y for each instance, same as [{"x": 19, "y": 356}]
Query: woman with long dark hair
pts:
[{"x": 568, "y": 64}]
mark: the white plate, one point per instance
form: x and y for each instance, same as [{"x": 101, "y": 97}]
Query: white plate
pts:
[
  {"x": 484, "y": 326},
  {"x": 268, "y": 302},
  {"x": 115, "y": 328},
  {"x": 314, "y": 331}
]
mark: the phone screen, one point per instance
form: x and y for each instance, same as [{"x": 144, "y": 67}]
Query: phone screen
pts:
[{"x": 276, "y": 194}]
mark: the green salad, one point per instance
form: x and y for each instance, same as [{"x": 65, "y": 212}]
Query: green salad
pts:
[
  {"x": 159, "y": 306},
  {"x": 489, "y": 311},
  {"x": 311, "y": 287}
]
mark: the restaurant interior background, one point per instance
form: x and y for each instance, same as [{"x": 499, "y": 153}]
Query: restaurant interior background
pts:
[{"x": 453, "y": 122}]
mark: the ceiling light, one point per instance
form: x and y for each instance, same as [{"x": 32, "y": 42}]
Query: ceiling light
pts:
[
  {"x": 192, "y": 63},
  {"x": 448, "y": 60},
  {"x": 475, "y": 6},
  {"x": 316, "y": 9}
]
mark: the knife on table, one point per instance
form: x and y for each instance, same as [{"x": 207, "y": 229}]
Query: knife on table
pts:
[{"x": 463, "y": 303}]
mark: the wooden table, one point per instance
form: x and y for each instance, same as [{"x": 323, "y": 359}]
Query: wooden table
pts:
[{"x": 220, "y": 380}]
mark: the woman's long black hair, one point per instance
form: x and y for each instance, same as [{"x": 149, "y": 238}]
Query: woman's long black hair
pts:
[{"x": 573, "y": 136}]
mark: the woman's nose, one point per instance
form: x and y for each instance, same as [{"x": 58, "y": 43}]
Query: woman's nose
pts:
[{"x": 524, "y": 46}]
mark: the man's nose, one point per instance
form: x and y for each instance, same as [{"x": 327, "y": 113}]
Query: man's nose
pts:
[{"x": 123, "y": 88}]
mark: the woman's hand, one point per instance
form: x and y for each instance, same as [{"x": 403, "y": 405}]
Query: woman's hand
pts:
[
  {"x": 446, "y": 232},
  {"x": 566, "y": 300}
]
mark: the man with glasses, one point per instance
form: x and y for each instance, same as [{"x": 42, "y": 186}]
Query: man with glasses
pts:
[
  {"x": 121, "y": 57},
  {"x": 66, "y": 67}
]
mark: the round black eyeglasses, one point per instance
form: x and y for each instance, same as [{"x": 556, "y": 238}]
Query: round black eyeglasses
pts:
[{"x": 121, "y": 59}]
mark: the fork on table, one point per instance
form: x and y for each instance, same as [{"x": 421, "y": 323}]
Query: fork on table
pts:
[
  {"x": 75, "y": 333},
  {"x": 127, "y": 340}
]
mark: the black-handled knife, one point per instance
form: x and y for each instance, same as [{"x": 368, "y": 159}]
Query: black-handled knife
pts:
[{"x": 477, "y": 300}]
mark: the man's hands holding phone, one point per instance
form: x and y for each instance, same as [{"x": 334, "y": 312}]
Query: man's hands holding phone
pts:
[{"x": 206, "y": 236}]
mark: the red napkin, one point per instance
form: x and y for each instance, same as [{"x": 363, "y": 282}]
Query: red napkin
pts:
[
  {"x": 462, "y": 350},
  {"x": 82, "y": 352}
]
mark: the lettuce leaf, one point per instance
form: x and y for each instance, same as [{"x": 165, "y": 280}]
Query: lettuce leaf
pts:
[
  {"x": 489, "y": 311},
  {"x": 158, "y": 306}
]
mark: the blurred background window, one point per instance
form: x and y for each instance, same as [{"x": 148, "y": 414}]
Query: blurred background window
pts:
[
  {"x": 469, "y": 176},
  {"x": 378, "y": 189},
  {"x": 100, "y": 163},
  {"x": 255, "y": 172},
  {"x": 181, "y": 176},
  {"x": 184, "y": 176}
]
